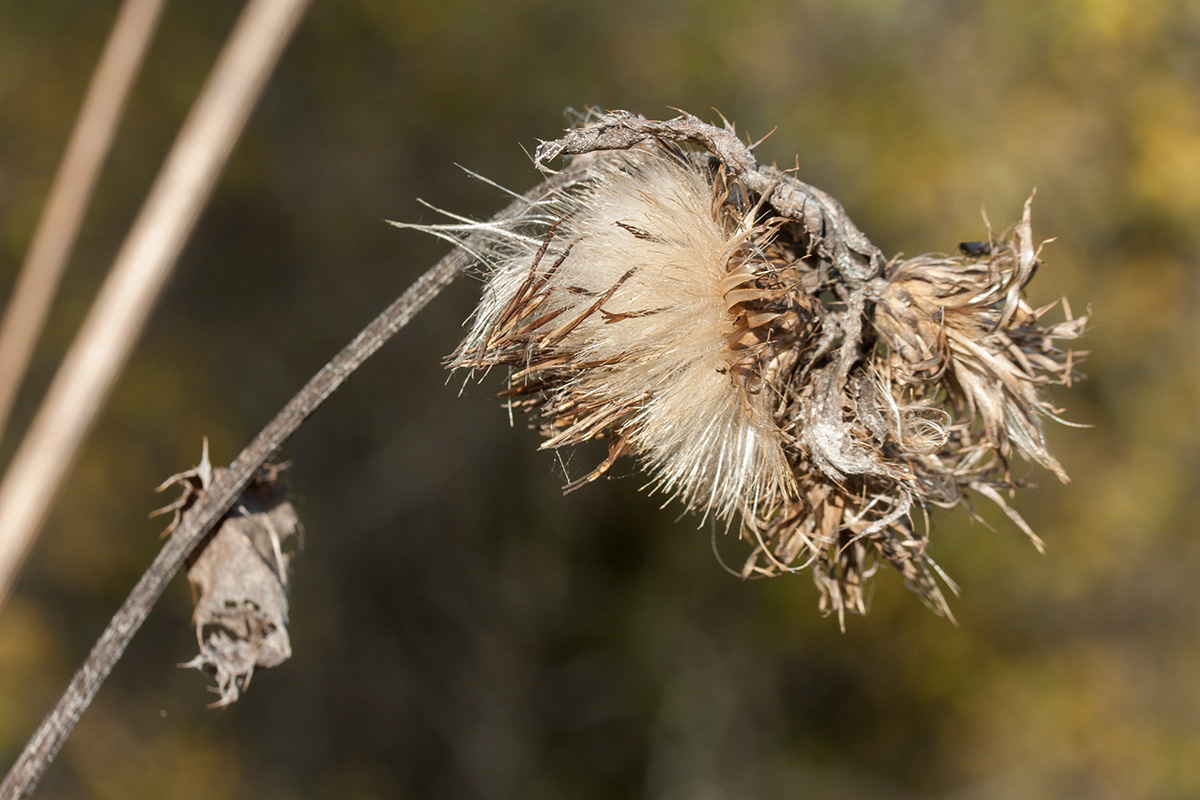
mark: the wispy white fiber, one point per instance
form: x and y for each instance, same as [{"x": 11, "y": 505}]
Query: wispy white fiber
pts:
[{"x": 646, "y": 232}]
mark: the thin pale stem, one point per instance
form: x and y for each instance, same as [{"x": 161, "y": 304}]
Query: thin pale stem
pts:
[
  {"x": 138, "y": 274},
  {"x": 74, "y": 182}
]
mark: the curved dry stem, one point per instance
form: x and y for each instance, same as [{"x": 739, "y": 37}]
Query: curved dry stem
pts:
[{"x": 220, "y": 497}]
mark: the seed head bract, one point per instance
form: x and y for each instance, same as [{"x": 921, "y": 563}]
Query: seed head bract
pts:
[{"x": 730, "y": 328}]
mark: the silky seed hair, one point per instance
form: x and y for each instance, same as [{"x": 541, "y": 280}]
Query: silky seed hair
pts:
[
  {"x": 731, "y": 328},
  {"x": 641, "y": 315}
]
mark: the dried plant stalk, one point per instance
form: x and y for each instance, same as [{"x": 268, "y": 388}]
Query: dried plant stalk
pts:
[
  {"x": 139, "y": 271},
  {"x": 730, "y": 327},
  {"x": 223, "y": 492},
  {"x": 58, "y": 227}
]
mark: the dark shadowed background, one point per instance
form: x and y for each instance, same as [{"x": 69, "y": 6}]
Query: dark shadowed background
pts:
[{"x": 460, "y": 628}]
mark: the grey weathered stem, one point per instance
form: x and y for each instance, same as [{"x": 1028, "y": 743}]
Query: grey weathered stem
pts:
[{"x": 222, "y": 494}]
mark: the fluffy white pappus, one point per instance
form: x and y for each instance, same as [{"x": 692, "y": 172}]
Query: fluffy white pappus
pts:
[{"x": 620, "y": 321}]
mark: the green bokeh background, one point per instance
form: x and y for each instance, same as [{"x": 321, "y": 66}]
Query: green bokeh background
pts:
[{"x": 460, "y": 628}]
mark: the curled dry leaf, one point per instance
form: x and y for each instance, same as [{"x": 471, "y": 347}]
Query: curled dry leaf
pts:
[
  {"x": 240, "y": 579},
  {"x": 730, "y": 327}
]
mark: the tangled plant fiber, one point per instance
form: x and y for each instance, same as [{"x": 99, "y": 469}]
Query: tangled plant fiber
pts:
[{"x": 731, "y": 328}]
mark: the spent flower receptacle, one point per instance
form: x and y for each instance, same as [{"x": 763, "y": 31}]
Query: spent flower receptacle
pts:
[{"x": 731, "y": 328}]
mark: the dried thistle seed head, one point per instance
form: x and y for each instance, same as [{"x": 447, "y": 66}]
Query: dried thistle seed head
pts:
[
  {"x": 732, "y": 328},
  {"x": 652, "y": 311},
  {"x": 962, "y": 325}
]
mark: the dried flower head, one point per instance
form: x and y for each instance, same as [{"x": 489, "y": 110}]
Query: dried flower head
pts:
[
  {"x": 731, "y": 328},
  {"x": 651, "y": 312}
]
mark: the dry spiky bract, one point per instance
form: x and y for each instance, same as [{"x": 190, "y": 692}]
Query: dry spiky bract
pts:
[{"x": 731, "y": 328}]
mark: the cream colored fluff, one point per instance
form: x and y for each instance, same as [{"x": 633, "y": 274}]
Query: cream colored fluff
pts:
[{"x": 645, "y": 227}]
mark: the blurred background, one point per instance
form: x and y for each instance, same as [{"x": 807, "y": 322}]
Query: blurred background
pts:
[{"x": 460, "y": 628}]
